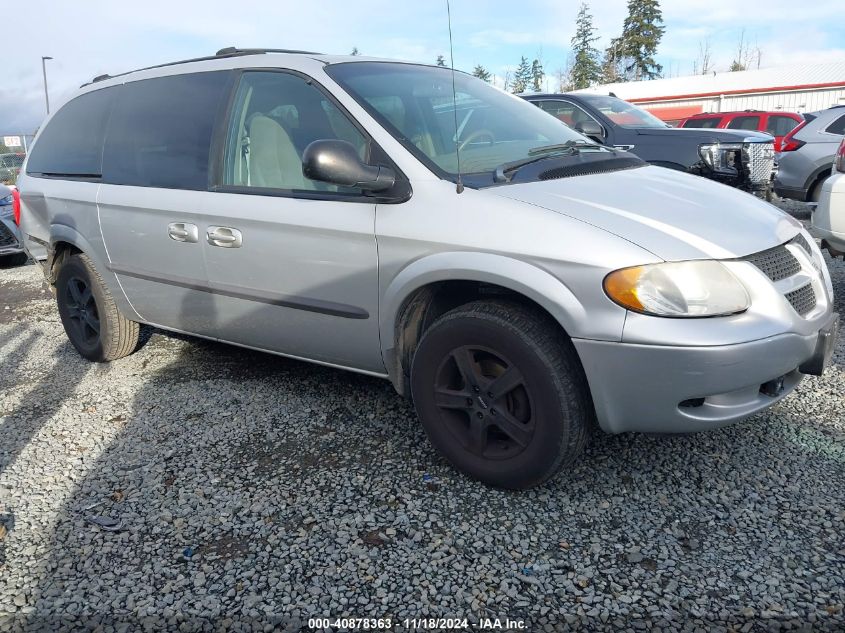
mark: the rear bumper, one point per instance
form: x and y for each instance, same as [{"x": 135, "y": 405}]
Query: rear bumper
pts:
[
  {"x": 793, "y": 193},
  {"x": 639, "y": 387},
  {"x": 828, "y": 219}
]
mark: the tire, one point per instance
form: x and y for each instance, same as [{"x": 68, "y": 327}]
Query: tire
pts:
[
  {"x": 94, "y": 325},
  {"x": 816, "y": 191},
  {"x": 515, "y": 433}
]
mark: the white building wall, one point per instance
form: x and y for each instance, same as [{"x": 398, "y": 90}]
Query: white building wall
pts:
[{"x": 790, "y": 101}]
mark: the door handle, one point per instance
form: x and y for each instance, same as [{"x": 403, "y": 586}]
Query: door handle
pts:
[
  {"x": 183, "y": 232},
  {"x": 224, "y": 236}
]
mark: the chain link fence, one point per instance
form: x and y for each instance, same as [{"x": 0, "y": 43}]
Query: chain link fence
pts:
[{"x": 13, "y": 149}]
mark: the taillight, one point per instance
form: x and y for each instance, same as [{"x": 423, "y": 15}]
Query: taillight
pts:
[
  {"x": 839, "y": 163},
  {"x": 16, "y": 206},
  {"x": 789, "y": 143}
]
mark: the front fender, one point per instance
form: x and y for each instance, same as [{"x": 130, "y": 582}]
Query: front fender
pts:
[{"x": 513, "y": 274}]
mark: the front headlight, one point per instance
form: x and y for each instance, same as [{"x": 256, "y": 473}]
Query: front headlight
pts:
[
  {"x": 678, "y": 289},
  {"x": 722, "y": 158}
]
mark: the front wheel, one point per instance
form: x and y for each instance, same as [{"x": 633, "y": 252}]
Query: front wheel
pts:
[
  {"x": 94, "y": 325},
  {"x": 501, "y": 393}
]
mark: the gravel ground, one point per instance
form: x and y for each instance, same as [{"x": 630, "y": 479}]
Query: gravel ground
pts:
[{"x": 255, "y": 492}]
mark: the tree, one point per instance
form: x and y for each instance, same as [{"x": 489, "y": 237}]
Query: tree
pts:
[
  {"x": 745, "y": 55},
  {"x": 585, "y": 69},
  {"x": 441, "y": 61},
  {"x": 481, "y": 72},
  {"x": 612, "y": 67},
  {"x": 641, "y": 34},
  {"x": 355, "y": 51},
  {"x": 537, "y": 75},
  {"x": 522, "y": 77},
  {"x": 703, "y": 64}
]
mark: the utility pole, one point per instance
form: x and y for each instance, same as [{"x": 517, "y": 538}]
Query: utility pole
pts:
[{"x": 44, "y": 72}]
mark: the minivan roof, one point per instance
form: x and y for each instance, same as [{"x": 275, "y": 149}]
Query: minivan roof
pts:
[{"x": 231, "y": 51}]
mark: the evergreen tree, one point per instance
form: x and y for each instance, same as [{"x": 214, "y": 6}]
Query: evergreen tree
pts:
[
  {"x": 641, "y": 34},
  {"x": 441, "y": 61},
  {"x": 481, "y": 72},
  {"x": 537, "y": 74},
  {"x": 354, "y": 51},
  {"x": 522, "y": 77},
  {"x": 586, "y": 69},
  {"x": 612, "y": 66}
]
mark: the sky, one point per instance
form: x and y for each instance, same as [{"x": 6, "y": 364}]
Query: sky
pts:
[{"x": 87, "y": 38}]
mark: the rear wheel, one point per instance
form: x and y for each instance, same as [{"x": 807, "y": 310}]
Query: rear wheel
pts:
[
  {"x": 500, "y": 392},
  {"x": 95, "y": 327}
]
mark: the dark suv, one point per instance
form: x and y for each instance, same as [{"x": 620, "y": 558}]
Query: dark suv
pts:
[{"x": 743, "y": 159}]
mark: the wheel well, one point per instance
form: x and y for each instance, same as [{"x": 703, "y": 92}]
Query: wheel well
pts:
[
  {"x": 426, "y": 304},
  {"x": 57, "y": 256},
  {"x": 816, "y": 181}
]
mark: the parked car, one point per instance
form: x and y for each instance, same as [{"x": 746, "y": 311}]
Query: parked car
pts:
[
  {"x": 10, "y": 166},
  {"x": 517, "y": 280},
  {"x": 743, "y": 159},
  {"x": 807, "y": 153},
  {"x": 11, "y": 248},
  {"x": 828, "y": 219},
  {"x": 778, "y": 124}
]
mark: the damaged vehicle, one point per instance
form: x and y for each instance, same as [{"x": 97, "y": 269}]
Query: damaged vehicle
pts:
[
  {"x": 740, "y": 158},
  {"x": 519, "y": 282}
]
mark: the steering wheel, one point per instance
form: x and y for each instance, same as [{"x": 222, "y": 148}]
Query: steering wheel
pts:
[{"x": 476, "y": 135}]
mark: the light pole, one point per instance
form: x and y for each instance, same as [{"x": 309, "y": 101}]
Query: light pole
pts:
[{"x": 44, "y": 72}]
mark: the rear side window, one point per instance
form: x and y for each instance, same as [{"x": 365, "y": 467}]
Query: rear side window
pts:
[
  {"x": 72, "y": 142},
  {"x": 161, "y": 129},
  {"x": 744, "y": 123},
  {"x": 837, "y": 127},
  {"x": 779, "y": 125},
  {"x": 701, "y": 123}
]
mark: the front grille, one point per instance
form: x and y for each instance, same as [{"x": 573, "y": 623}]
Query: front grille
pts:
[
  {"x": 761, "y": 162},
  {"x": 779, "y": 263},
  {"x": 7, "y": 238},
  {"x": 802, "y": 242},
  {"x": 776, "y": 263},
  {"x": 803, "y": 299}
]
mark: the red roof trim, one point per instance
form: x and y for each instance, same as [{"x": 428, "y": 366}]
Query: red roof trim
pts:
[{"x": 832, "y": 84}]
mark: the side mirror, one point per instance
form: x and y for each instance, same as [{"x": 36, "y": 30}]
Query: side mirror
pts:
[
  {"x": 591, "y": 129},
  {"x": 337, "y": 163}
]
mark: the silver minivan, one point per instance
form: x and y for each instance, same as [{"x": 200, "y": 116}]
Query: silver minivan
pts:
[{"x": 520, "y": 283}]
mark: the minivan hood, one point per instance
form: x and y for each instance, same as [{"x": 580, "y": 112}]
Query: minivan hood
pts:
[{"x": 673, "y": 215}]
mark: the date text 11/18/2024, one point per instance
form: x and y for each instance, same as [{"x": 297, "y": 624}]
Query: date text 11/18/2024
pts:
[{"x": 429, "y": 624}]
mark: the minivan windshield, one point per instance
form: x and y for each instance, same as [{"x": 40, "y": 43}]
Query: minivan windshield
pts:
[
  {"x": 416, "y": 105},
  {"x": 622, "y": 113}
]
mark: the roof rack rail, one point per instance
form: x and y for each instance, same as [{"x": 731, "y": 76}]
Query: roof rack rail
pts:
[
  {"x": 230, "y": 51},
  {"x": 233, "y": 50}
]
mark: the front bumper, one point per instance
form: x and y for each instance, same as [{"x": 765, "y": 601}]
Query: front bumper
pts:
[
  {"x": 10, "y": 237},
  {"x": 672, "y": 389}
]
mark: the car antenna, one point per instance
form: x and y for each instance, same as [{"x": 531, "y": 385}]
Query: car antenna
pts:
[{"x": 459, "y": 188}]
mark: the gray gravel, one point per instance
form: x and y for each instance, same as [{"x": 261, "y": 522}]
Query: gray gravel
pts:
[{"x": 252, "y": 492}]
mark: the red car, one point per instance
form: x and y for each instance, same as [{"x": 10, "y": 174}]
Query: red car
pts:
[{"x": 778, "y": 124}]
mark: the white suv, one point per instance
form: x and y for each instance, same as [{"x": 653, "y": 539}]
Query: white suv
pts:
[{"x": 828, "y": 223}]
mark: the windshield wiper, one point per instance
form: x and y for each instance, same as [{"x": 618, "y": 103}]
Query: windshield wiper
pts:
[
  {"x": 570, "y": 148},
  {"x": 576, "y": 143}
]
